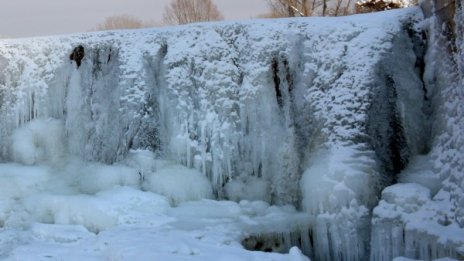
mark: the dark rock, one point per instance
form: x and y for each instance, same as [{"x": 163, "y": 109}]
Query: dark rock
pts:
[{"x": 77, "y": 55}]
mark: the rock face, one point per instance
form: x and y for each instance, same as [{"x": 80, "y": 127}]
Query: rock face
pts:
[
  {"x": 444, "y": 11},
  {"x": 322, "y": 119}
]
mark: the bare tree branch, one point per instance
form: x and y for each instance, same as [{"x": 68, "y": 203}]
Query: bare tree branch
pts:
[
  {"x": 121, "y": 22},
  {"x": 190, "y": 11},
  {"x": 366, "y": 6},
  {"x": 292, "y": 8}
]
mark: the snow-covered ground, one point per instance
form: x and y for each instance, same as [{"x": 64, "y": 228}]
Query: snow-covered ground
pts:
[
  {"x": 46, "y": 218},
  {"x": 202, "y": 141}
]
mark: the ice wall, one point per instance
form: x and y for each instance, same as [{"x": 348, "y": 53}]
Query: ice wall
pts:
[
  {"x": 428, "y": 224},
  {"x": 319, "y": 113}
]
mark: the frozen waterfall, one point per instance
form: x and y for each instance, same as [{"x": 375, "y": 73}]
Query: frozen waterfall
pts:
[{"x": 318, "y": 115}]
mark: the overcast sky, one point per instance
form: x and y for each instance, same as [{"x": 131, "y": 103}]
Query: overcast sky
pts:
[{"x": 20, "y": 18}]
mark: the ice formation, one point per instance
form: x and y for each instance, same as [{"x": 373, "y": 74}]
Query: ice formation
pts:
[
  {"x": 428, "y": 224},
  {"x": 304, "y": 122}
]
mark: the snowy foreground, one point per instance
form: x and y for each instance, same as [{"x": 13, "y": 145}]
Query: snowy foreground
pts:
[
  {"x": 46, "y": 218},
  {"x": 333, "y": 139}
]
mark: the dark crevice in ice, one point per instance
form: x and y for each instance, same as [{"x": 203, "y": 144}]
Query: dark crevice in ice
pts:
[
  {"x": 77, "y": 55},
  {"x": 282, "y": 78},
  {"x": 279, "y": 242}
]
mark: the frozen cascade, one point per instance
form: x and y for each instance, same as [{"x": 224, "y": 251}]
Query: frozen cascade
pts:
[
  {"x": 279, "y": 111},
  {"x": 422, "y": 217},
  {"x": 232, "y": 100}
]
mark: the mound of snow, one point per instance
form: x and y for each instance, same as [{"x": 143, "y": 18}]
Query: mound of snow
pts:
[
  {"x": 420, "y": 170},
  {"x": 120, "y": 206},
  {"x": 406, "y": 195},
  {"x": 179, "y": 183},
  {"x": 38, "y": 141},
  {"x": 333, "y": 179},
  {"x": 143, "y": 160},
  {"x": 91, "y": 178},
  {"x": 252, "y": 188}
]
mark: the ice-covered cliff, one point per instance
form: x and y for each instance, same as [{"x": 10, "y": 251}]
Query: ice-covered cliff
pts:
[
  {"x": 321, "y": 114},
  {"x": 423, "y": 216}
]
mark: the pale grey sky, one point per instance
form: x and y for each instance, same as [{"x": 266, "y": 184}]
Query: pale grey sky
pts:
[{"x": 20, "y": 18}]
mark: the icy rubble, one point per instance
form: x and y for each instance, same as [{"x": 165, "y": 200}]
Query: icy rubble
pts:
[{"x": 318, "y": 113}]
